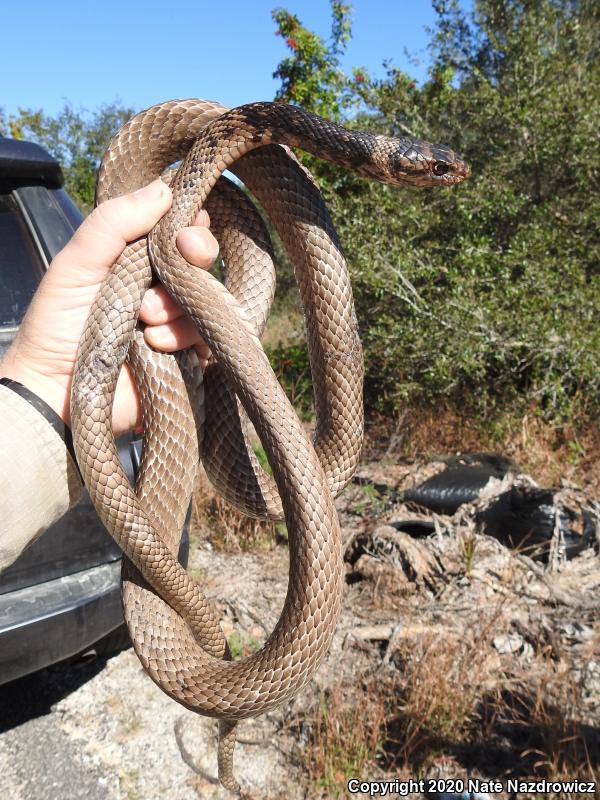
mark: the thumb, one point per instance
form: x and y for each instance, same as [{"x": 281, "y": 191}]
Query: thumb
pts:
[{"x": 103, "y": 235}]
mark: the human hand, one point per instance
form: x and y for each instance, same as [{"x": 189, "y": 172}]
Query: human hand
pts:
[{"x": 42, "y": 356}]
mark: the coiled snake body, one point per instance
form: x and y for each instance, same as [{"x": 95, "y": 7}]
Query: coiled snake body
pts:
[{"x": 174, "y": 629}]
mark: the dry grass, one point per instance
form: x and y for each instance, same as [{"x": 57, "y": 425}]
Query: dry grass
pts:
[
  {"x": 284, "y": 328},
  {"x": 345, "y": 736},
  {"x": 543, "y": 714},
  {"x": 449, "y": 707},
  {"x": 226, "y": 528},
  {"x": 455, "y": 701},
  {"x": 546, "y": 741},
  {"x": 399, "y": 720},
  {"x": 546, "y": 452},
  {"x": 437, "y": 687}
]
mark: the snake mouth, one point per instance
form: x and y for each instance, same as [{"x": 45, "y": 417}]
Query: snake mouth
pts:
[
  {"x": 461, "y": 171},
  {"x": 456, "y": 172}
]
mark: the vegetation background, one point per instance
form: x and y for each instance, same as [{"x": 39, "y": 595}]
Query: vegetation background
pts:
[{"x": 481, "y": 300}]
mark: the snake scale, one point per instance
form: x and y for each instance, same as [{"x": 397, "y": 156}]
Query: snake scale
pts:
[{"x": 173, "y": 626}]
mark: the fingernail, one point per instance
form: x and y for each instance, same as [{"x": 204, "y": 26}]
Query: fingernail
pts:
[
  {"x": 158, "y": 336},
  {"x": 213, "y": 246},
  {"x": 202, "y": 218},
  {"x": 153, "y": 191},
  {"x": 151, "y": 303},
  {"x": 208, "y": 241},
  {"x": 211, "y": 243}
]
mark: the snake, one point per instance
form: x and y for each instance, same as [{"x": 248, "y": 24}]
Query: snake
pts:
[{"x": 192, "y": 414}]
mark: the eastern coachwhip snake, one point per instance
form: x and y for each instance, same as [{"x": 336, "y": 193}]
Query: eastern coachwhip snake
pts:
[{"x": 174, "y": 629}]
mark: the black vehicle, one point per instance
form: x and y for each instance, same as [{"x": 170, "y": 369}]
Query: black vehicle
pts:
[{"x": 62, "y": 594}]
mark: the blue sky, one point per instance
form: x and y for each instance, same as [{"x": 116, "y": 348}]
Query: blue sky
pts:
[{"x": 91, "y": 53}]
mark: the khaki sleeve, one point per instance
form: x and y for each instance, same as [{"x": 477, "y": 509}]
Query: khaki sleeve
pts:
[{"x": 39, "y": 480}]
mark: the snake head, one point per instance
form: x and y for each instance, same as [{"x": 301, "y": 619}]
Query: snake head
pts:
[{"x": 422, "y": 164}]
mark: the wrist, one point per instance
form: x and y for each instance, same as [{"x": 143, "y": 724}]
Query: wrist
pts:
[{"x": 48, "y": 389}]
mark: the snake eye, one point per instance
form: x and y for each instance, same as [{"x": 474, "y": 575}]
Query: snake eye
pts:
[{"x": 440, "y": 168}]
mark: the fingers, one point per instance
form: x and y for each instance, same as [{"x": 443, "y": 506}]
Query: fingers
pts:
[
  {"x": 176, "y": 335},
  {"x": 159, "y": 307},
  {"x": 198, "y": 246},
  {"x": 102, "y": 236},
  {"x": 100, "y": 240},
  {"x": 168, "y": 329}
]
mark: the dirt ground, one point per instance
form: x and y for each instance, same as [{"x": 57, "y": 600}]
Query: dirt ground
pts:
[{"x": 453, "y": 658}]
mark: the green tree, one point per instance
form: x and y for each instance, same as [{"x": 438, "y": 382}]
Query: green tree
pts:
[
  {"x": 311, "y": 75},
  {"x": 77, "y": 139},
  {"x": 487, "y": 293}
]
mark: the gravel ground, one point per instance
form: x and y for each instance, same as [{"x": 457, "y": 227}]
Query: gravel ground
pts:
[
  {"x": 117, "y": 736},
  {"x": 99, "y": 728}
]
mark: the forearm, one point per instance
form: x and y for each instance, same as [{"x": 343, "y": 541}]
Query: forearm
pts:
[{"x": 39, "y": 480}]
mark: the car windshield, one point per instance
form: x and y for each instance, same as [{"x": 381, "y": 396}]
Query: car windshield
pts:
[{"x": 21, "y": 266}]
